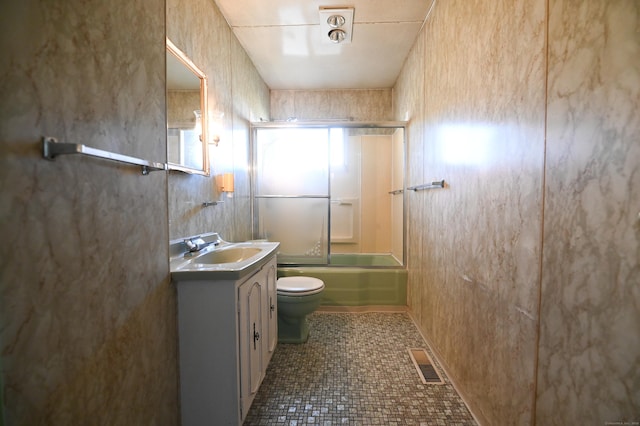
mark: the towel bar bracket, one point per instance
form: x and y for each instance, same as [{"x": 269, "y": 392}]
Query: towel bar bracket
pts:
[{"x": 211, "y": 203}]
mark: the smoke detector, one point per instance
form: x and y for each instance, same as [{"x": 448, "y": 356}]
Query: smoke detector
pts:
[{"x": 336, "y": 24}]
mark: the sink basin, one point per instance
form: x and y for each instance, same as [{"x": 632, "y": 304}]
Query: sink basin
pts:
[
  {"x": 220, "y": 261},
  {"x": 230, "y": 255}
]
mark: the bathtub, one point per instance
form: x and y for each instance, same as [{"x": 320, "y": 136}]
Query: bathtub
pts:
[{"x": 357, "y": 280}]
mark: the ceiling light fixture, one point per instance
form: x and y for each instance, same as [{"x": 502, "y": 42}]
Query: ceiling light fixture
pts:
[{"x": 336, "y": 24}]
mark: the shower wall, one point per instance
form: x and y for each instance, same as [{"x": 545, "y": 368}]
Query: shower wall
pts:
[
  {"x": 536, "y": 236},
  {"x": 360, "y": 197},
  {"x": 304, "y": 174},
  {"x": 375, "y": 199},
  {"x": 355, "y": 105},
  {"x": 346, "y": 208},
  {"x": 397, "y": 200}
]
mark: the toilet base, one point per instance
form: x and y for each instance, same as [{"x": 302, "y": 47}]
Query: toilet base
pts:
[
  {"x": 292, "y": 316},
  {"x": 292, "y": 330}
]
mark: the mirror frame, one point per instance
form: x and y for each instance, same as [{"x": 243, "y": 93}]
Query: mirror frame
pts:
[{"x": 182, "y": 57}]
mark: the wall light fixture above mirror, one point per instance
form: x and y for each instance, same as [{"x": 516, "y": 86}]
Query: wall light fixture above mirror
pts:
[{"x": 187, "y": 121}]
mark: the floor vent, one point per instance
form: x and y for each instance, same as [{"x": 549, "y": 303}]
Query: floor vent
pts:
[{"x": 427, "y": 372}]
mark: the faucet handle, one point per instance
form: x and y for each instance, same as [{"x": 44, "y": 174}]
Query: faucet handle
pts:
[
  {"x": 191, "y": 246},
  {"x": 194, "y": 244}
]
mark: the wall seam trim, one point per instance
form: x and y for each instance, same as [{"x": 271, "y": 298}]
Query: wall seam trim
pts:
[{"x": 542, "y": 209}]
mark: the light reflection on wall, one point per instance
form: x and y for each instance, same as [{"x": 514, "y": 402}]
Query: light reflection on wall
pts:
[{"x": 466, "y": 144}]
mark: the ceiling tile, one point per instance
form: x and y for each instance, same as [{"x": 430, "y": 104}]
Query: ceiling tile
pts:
[{"x": 284, "y": 41}]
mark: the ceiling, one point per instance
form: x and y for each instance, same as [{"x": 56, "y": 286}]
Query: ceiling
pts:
[{"x": 284, "y": 40}]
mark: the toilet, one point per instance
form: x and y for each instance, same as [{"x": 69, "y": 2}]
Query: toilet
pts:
[{"x": 297, "y": 298}]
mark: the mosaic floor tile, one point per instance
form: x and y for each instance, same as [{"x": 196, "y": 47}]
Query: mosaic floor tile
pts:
[{"x": 355, "y": 369}]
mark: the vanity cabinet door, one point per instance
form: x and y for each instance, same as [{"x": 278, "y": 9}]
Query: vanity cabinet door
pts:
[
  {"x": 250, "y": 339},
  {"x": 272, "y": 311}
]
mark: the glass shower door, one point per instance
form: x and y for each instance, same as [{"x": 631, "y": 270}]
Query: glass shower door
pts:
[{"x": 291, "y": 194}]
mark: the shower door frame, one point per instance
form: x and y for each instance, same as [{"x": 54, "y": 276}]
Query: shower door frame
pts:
[{"x": 329, "y": 124}]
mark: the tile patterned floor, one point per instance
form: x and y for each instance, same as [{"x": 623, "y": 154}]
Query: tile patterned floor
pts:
[{"x": 355, "y": 369}]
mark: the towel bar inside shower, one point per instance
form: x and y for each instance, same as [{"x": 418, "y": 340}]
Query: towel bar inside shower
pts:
[{"x": 432, "y": 185}]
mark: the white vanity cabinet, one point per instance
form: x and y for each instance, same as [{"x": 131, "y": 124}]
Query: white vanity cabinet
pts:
[{"x": 227, "y": 332}]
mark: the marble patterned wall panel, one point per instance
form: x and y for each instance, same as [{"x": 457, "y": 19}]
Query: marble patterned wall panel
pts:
[
  {"x": 408, "y": 105},
  {"x": 87, "y": 312},
  {"x": 198, "y": 28},
  {"x": 251, "y": 103},
  {"x": 200, "y": 31},
  {"x": 357, "y": 105},
  {"x": 483, "y": 132},
  {"x": 589, "y": 358}
]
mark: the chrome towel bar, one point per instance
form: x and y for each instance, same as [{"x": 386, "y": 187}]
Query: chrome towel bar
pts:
[
  {"x": 51, "y": 148},
  {"x": 211, "y": 203},
  {"x": 432, "y": 185}
]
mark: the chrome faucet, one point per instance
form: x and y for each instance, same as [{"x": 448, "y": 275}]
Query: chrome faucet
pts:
[{"x": 194, "y": 245}]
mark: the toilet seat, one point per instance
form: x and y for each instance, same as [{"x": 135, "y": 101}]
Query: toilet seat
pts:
[{"x": 299, "y": 286}]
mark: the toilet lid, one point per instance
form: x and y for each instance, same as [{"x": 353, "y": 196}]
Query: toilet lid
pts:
[{"x": 299, "y": 285}]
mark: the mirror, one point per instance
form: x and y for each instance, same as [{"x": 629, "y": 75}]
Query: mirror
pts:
[{"x": 187, "y": 149}]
